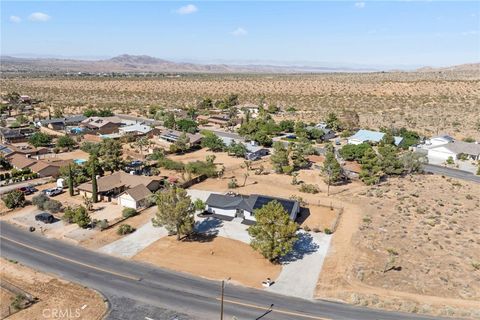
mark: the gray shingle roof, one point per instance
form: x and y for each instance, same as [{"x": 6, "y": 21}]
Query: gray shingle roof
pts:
[{"x": 250, "y": 203}]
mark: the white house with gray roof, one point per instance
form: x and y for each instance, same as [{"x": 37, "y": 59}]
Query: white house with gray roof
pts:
[
  {"x": 242, "y": 206},
  {"x": 454, "y": 149}
]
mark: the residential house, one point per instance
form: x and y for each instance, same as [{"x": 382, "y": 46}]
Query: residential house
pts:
[
  {"x": 136, "y": 197},
  {"x": 241, "y": 206},
  {"x": 455, "y": 150},
  {"x": 130, "y": 120},
  {"x": 15, "y": 135},
  {"x": 102, "y": 125},
  {"x": 254, "y": 151},
  {"x": 137, "y": 129},
  {"x": 49, "y": 168},
  {"x": 370, "y": 136},
  {"x": 111, "y": 186},
  {"x": 43, "y": 168},
  {"x": 61, "y": 123},
  {"x": 171, "y": 136},
  {"x": 8, "y": 150},
  {"x": 20, "y": 162},
  {"x": 327, "y": 132}
]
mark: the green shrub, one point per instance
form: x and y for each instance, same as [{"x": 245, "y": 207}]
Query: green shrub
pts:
[
  {"x": 103, "y": 224},
  {"x": 309, "y": 188},
  {"x": 232, "y": 184},
  {"x": 39, "y": 201},
  {"x": 53, "y": 206},
  {"x": 14, "y": 199},
  {"x": 78, "y": 215},
  {"x": 327, "y": 231},
  {"x": 199, "y": 205},
  {"x": 129, "y": 212},
  {"x": 125, "y": 229}
]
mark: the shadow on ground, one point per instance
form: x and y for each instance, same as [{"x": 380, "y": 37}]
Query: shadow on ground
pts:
[
  {"x": 305, "y": 245},
  {"x": 208, "y": 226}
]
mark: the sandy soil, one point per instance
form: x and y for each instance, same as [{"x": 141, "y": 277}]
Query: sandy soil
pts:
[
  {"x": 53, "y": 294},
  {"x": 427, "y": 102},
  {"x": 214, "y": 258},
  {"x": 428, "y": 222},
  {"x": 6, "y": 298},
  {"x": 320, "y": 217},
  {"x": 221, "y": 158}
]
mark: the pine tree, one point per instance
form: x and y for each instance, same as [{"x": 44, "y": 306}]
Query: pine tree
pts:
[
  {"x": 274, "y": 234},
  {"x": 279, "y": 157},
  {"x": 371, "y": 169},
  {"x": 389, "y": 160},
  {"x": 70, "y": 180},
  {"x": 331, "y": 169},
  {"x": 93, "y": 163},
  {"x": 175, "y": 211}
]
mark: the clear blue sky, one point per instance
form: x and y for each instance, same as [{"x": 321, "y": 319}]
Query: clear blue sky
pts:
[{"x": 349, "y": 32}]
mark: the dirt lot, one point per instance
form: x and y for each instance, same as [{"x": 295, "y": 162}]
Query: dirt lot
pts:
[
  {"x": 53, "y": 294},
  {"x": 426, "y": 227},
  {"x": 221, "y": 158},
  {"x": 427, "y": 102},
  {"x": 214, "y": 258}
]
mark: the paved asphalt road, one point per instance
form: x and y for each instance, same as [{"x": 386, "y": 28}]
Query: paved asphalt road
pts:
[
  {"x": 32, "y": 183},
  {"x": 140, "y": 291},
  {"x": 449, "y": 172}
]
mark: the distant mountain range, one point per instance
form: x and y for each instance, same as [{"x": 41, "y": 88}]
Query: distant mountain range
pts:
[{"x": 145, "y": 64}]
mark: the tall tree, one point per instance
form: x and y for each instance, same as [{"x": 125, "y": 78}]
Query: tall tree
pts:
[
  {"x": 175, "y": 211},
  {"x": 70, "y": 180},
  {"x": 274, "y": 234},
  {"x": 333, "y": 122},
  {"x": 371, "y": 171},
  {"x": 213, "y": 142},
  {"x": 279, "y": 157},
  {"x": 331, "y": 169},
  {"x": 389, "y": 160},
  {"x": 110, "y": 155},
  {"x": 94, "y": 164},
  {"x": 182, "y": 143}
]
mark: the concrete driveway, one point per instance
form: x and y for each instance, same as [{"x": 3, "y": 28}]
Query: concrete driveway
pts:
[
  {"x": 302, "y": 268},
  {"x": 135, "y": 242}
]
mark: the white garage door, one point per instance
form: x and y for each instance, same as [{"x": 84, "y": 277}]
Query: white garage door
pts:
[
  {"x": 440, "y": 154},
  {"x": 128, "y": 203}
]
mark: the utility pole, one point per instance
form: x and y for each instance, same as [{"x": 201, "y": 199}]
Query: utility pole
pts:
[
  {"x": 224, "y": 282},
  {"x": 221, "y": 305}
]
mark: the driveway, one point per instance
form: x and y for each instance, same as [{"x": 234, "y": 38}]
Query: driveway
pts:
[
  {"x": 302, "y": 268},
  {"x": 135, "y": 242}
]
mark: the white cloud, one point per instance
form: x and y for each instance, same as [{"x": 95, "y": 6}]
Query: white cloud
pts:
[
  {"x": 360, "y": 5},
  {"x": 15, "y": 19},
  {"x": 188, "y": 9},
  {"x": 39, "y": 17},
  {"x": 239, "y": 32}
]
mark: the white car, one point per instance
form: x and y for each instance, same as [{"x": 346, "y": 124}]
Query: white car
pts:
[{"x": 52, "y": 192}]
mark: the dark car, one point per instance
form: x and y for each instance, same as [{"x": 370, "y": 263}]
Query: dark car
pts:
[
  {"x": 45, "y": 217},
  {"x": 27, "y": 190}
]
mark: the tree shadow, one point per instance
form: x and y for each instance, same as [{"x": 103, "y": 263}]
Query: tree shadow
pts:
[
  {"x": 208, "y": 226},
  {"x": 305, "y": 245},
  {"x": 200, "y": 237}
]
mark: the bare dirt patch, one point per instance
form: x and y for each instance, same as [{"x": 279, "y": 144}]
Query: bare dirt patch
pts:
[
  {"x": 215, "y": 258},
  {"x": 426, "y": 102},
  {"x": 410, "y": 245},
  {"x": 53, "y": 294}
]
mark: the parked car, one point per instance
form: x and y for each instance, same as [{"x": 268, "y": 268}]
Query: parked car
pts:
[
  {"x": 45, "y": 217},
  {"x": 27, "y": 190},
  {"x": 52, "y": 192}
]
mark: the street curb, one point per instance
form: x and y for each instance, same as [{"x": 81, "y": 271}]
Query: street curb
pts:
[{"x": 107, "y": 304}]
